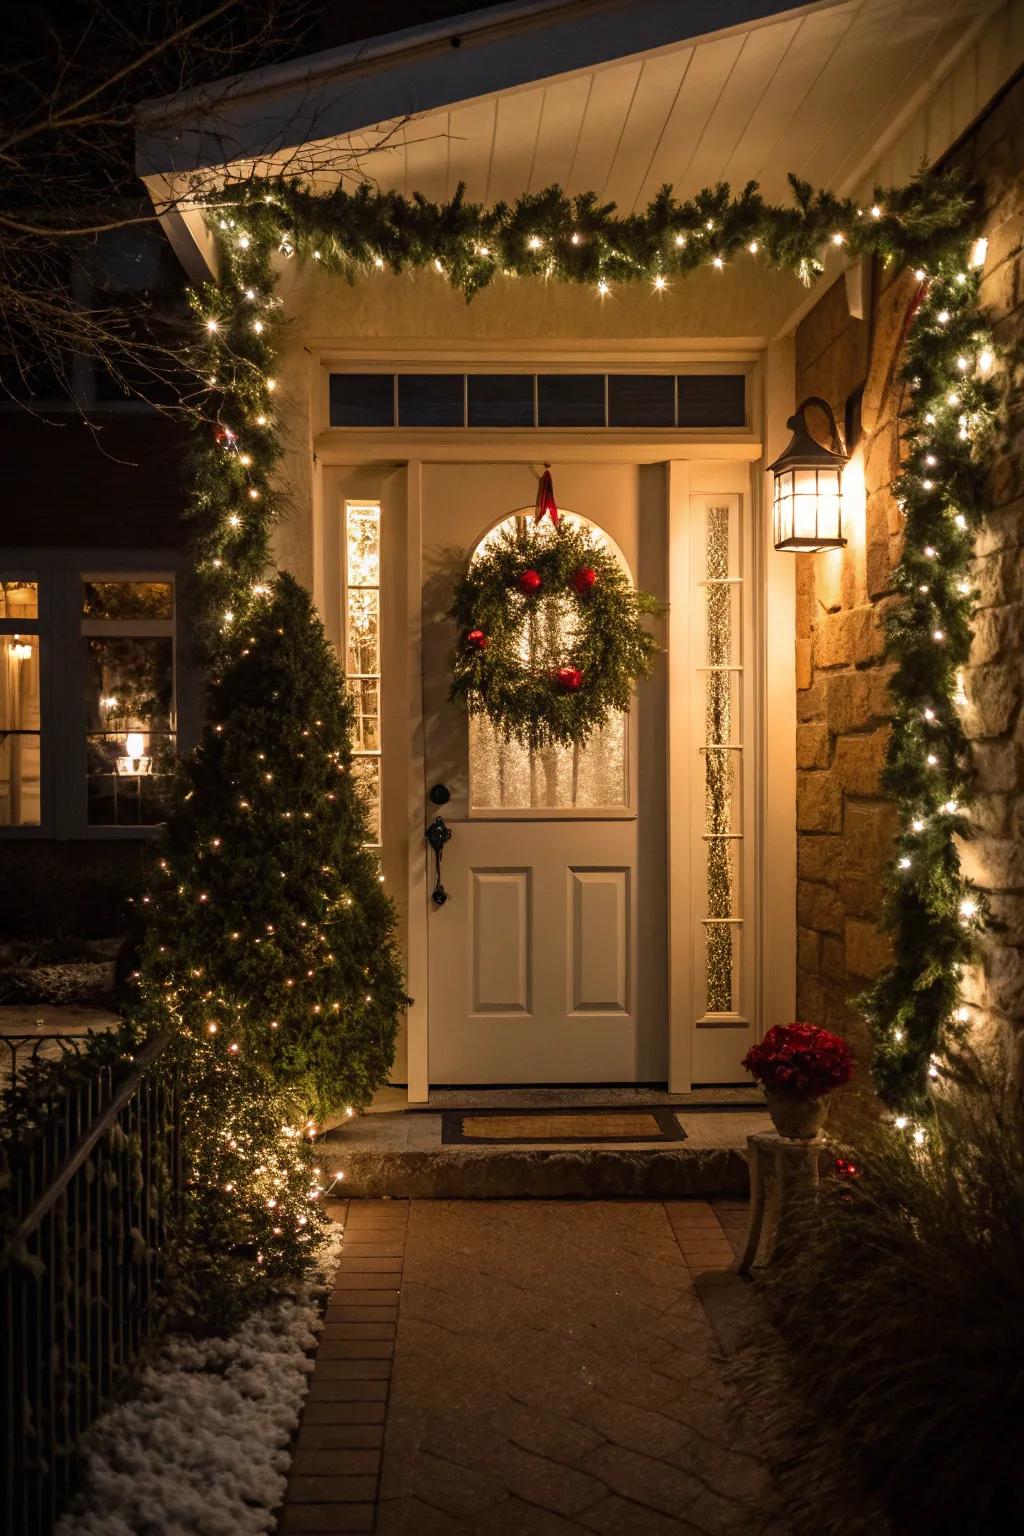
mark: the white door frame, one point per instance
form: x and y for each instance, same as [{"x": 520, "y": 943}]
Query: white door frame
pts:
[{"x": 708, "y": 465}]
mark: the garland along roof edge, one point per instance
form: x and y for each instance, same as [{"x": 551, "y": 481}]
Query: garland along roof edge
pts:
[
  {"x": 915, "y": 1006},
  {"x": 579, "y": 239}
]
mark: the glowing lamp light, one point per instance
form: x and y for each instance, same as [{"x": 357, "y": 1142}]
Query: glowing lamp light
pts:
[
  {"x": 134, "y": 760},
  {"x": 808, "y": 500},
  {"x": 19, "y": 650}
]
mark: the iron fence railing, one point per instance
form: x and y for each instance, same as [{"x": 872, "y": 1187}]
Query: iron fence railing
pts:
[
  {"x": 20, "y": 1050},
  {"x": 91, "y": 1204}
]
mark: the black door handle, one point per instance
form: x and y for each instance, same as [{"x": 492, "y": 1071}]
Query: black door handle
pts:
[{"x": 437, "y": 834}]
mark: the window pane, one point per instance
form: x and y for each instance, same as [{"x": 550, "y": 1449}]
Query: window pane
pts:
[
  {"x": 363, "y": 631},
  {"x": 19, "y": 731},
  {"x": 641, "y": 400},
  {"x": 362, "y": 400},
  {"x": 505, "y": 775},
  {"x": 430, "y": 400},
  {"x": 365, "y": 695},
  {"x": 570, "y": 400},
  {"x": 712, "y": 400},
  {"x": 19, "y": 599},
  {"x": 500, "y": 399},
  {"x": 366, "y": 773},
  {"x": 127, "y": 600},
  {"x": 363, "y": 545},
  {"x": 129, "y": 700}
]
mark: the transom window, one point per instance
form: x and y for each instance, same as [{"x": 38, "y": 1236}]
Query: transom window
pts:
[{"x": 524, "y": 400}]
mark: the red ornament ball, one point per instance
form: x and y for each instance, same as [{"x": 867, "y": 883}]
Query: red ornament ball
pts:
[
  {"x": 529, "y": 582},
  {"x": 477, "y": 639},
  {"x": 570, "y": 679},
  {"x": 584, "y": 579}
]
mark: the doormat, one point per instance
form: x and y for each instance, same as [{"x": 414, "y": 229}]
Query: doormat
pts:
[{"x": 572, "y": 1126}]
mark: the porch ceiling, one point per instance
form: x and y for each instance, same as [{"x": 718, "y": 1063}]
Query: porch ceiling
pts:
[
  {"x": 587, "y": 94},
  {"x": 615, "y": 96},
  {"x": 817, "y": 90}
]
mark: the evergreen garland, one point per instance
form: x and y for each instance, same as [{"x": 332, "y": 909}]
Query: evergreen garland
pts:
[
  {"x": 933, "y": 914},
  {"x": 581, "y": 623}
]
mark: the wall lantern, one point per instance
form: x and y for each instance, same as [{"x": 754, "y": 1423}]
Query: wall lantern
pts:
[{"x": 808, "y": 501}]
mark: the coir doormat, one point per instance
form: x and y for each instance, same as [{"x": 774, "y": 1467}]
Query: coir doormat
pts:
[
  {"x": 580, "y": 1126},
  {"x": 573, "y": 1126}
]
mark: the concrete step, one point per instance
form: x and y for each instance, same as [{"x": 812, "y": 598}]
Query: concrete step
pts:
[{"x": 402, "y": 1156}]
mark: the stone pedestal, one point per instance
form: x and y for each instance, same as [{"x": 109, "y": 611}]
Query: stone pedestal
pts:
[{"x": 778, "y": 1168}]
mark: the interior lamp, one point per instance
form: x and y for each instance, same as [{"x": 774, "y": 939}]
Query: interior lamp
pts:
[
  {"x": 134, "y": 760},
  {"x": 808, "y": 500}
]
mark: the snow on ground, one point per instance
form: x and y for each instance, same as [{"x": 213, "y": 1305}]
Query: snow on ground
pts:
[{"x": 203, "y": 1447}]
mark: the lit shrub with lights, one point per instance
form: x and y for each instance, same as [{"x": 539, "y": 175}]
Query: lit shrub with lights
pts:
[
  {"x": 268, "y": 925},
  {"x": 269, "y": 950}
]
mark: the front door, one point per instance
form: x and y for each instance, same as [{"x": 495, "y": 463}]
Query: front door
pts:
[{"x": 547, "y": 963}]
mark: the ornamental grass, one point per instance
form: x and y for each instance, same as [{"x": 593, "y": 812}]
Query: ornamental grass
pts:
[{"x": 897, "y": 1304}]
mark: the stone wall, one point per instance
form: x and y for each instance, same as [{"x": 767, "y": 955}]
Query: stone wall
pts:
[{"x": 845, "y": 827}]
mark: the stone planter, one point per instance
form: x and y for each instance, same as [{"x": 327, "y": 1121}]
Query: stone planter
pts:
[{"x": 796, "y": 1119}]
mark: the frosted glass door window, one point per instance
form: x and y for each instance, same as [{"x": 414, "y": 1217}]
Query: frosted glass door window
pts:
[{"x": 505, "y": 775}]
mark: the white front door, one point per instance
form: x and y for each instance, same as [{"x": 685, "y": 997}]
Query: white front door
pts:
[{"x": 547, "y": 963}]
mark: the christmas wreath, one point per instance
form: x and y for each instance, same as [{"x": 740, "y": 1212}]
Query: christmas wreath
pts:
[{"x": 551, "y": 639}]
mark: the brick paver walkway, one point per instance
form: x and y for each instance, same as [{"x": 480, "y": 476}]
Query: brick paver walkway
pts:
[{"x": 554, "y": 1372}]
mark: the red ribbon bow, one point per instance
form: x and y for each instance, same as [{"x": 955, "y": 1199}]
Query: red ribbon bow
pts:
[{"x": 546, "y": 503}]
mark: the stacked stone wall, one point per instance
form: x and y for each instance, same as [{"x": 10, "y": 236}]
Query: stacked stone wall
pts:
[{"x": 845, "y": 826}]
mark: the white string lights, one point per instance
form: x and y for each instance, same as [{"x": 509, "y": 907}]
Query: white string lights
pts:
[
  {"x": 935, "y": 914},
  {"x": 235, "y": 502}
]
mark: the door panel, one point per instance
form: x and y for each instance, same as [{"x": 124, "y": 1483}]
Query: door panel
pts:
[
  {"x": 499, "y": 942},
  {"x": 539, "y": 967},
  {"x": 599, "y": 940}
]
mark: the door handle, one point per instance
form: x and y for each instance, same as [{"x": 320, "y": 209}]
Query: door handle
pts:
[{"x": 437, "y": 834}]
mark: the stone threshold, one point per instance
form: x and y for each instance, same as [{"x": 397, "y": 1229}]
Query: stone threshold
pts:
[
  {"x": 401, "y": 1156},
  {"x": 392, "y": 1098}
]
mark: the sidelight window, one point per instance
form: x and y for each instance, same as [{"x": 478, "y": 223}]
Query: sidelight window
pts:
[
  {"x": 363, "y": 651},
  {"x": 719, "y": 711}
]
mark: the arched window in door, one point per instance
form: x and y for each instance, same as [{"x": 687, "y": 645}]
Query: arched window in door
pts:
[{"x": 507, "y": 776}]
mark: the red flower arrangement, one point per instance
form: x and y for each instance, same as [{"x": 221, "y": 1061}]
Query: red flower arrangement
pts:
[{"x": 800, "y": 1061}]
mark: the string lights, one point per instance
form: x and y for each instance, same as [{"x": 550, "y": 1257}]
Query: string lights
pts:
[
  {"x": 278, "y": 993},
  {"x": 934, "y": 913}
]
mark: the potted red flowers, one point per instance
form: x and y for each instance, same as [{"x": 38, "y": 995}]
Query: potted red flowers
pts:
[{"x": 798, "y": 1066}]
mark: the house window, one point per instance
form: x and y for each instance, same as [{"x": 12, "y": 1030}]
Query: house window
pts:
[
  {"x": 88, "y": 696},
  {"x": 20, "y": 725},
  {"x": 128, "y": 698},
  {"x": 362, "y": 651}
]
